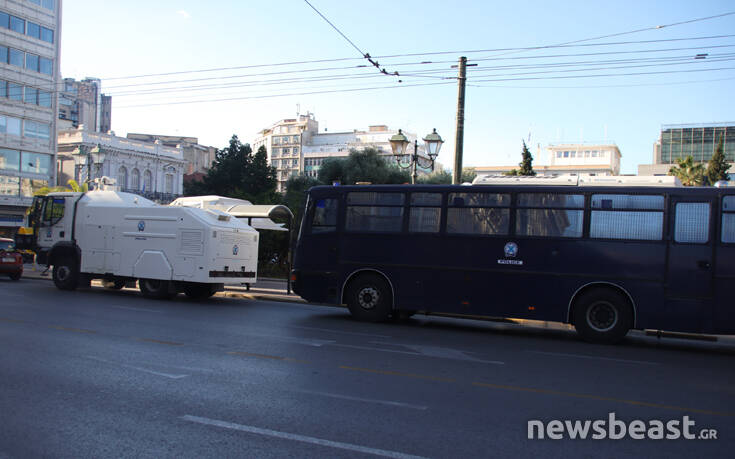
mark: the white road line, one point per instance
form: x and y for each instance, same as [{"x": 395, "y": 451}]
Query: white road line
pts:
[
  {"x": 341, "y": 332},
  {"x": 594, "y": 357},
  {"x": 350, "y": 346},
  {"x": 301, "y": 438},
  {"x": 144, "y": 370},
  {"x": 136, "y": 309},
  {"x": 441, "y": 352},
  {"x": 368, "y": 400}
]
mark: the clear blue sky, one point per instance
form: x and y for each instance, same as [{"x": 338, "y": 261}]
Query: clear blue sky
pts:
[{"x": 122, "y": 39}]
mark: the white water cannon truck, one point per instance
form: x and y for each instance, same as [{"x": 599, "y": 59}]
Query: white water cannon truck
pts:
[{"x": 122, "y": 238}]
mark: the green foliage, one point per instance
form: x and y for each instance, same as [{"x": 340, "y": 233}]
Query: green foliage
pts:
[
  {"x": 238, "y": 173},
  {"x": 362, "y": 166},
  {"x": 444, "y": 177},
  {"x": 512, "y": 172},
  {"x": 689, "y": 172},
  {"x": 526, "y": 162},
  {"x": 718, "y": 166}
]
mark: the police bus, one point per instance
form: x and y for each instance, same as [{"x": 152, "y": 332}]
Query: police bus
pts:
[{"x": 602, "y": 258}]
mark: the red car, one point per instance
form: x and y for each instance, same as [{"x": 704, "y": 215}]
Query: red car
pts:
[{"x": 11, "y": 261}]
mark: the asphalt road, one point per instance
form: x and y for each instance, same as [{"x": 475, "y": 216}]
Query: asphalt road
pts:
[{"x": 99, "y": 373}]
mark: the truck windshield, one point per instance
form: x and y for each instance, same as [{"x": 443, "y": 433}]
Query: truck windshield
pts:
[
  {"x": 7, "y": 245},
  {"x": 54, "y": 211}
]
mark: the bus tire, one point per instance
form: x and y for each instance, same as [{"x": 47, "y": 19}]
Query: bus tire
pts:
[
  {"x": 602, "y": 316},
  {"x": 65, "y": 274},
  {"x": 369, "y": 298},
  {"x": 198, "y": 291},
  {"x": 155, "y": 288}
]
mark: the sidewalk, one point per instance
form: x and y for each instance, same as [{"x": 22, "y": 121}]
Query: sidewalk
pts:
[{"x": 265, "y": 289}]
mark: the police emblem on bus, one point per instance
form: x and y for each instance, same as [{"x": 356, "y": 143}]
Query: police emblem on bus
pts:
[
  {"x": 234, "y": 249},
  {"x": 511, "y": 249},
  {"x": 141, "y": 225}
]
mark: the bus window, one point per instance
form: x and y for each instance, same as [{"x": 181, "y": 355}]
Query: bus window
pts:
[
  {"x": 728, "y": 219},
  {"x": 425, "y": 213},
  {"x": 691, "y": 223},
  {"x": 374, "y": 211},
  {"x": 325, "y": 216},
  {"x": 478, "y": 213},
  {"x": 550, "y": 214},
  {"x": 613, "y": 218}
]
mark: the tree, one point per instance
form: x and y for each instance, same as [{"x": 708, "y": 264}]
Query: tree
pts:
[
  {"x": 444, "y": 177},
  {"x": 718, "y": 166},
  {"x": 688, "y": 172},
  {"x": 362, "y": 166},
  {"x": 526, "y": 164},
  {"x": 237, "y": 173}
]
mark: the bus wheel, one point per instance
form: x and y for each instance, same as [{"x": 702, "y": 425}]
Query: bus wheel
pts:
[
  {"x": 65, "y": 274},
  {"x": 369, "y": 298},
  {"x": 602, "y": 316},
  {"x": 197, "y": 291},
  {"x": 155, "y": 288}
]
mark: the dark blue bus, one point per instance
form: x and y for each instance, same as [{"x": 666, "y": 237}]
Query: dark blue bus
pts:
[{"x": 605, "y": 259}]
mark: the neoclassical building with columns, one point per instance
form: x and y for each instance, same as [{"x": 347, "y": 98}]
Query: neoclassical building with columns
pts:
[{"x": 149, "y": 169}]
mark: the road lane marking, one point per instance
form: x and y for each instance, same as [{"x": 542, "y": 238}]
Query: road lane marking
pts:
[
  {"x": 75, "y": 330},
  {"x": 133, "y": 367},
  {"x": 396, "y": 373},
  {"x": 300, "y": 438},
  {"x": 601, "y": 398},
  {"x": 158, "y": 341},
  {"x": 291, "y": 339},
  {"x": 368, "y": 400},
  {"x": 266, "y": 356},
  {"x": 441, "y": 352},
  {"x": 392, "y": 351},
  {"x": 342, "y": 332},
  {"x": 137, "y": 309},
  {"x": 594, "y": 357}
]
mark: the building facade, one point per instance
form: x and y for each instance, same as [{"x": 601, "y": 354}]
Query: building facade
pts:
[
  {"x": 82, "y": 103},
  {"x": 677, "y": 141},
  {"x": 149, "y": 169},
  {"x": 571, "y": 158},
  {"x": 295, "y": 146},
  {"x": 199, "y": 158},
  {"x": 29, "y": 72}
]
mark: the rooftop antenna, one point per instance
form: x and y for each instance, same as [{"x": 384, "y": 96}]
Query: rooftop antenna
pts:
[{"x": 298, "y": 110}]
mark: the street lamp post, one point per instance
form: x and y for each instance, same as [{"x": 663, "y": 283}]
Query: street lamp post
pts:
[{"x": 399, "y": 142}]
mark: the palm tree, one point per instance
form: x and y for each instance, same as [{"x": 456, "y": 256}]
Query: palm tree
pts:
[{"x": 688, "y": 172}]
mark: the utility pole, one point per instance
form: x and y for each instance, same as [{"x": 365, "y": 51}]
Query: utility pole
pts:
[{"x": 458, "y": 143}]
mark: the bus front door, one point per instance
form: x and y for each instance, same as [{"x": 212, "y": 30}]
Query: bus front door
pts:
[{"x": 689, "y": 271}]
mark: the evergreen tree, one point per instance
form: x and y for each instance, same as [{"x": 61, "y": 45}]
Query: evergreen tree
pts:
[
  {"x": 718, "y": 166},
  {"x": 526, "y": 163},
  {"x": 362, "y": 166}
]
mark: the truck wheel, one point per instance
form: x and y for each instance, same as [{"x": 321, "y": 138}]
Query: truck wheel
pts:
[
  {"x": 198, "y": 291},
  {"x": 66, "y": 274},
  {"x": 15, "y": 276},
  {"x": 602, "y": 316},
  {"x": 155, "y": 288},
  {"x": 369, "y": 298}
]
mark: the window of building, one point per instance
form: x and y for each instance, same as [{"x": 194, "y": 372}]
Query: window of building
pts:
[
  {"x": 36, "y": 130},
  {"x": 594, "y": 153},
  {"x": 33, "y": 30},
  {"x": 286, "y": 151},
  {"x": 16, "y": 57},
  {"x": 147, "y": 181},
  {"x": 47, "y": 35},
  {"x": 36, "y": 163},
  {"x": 30, "y": 95},
  {"x": 48, "y": 4},
  {"x": 169, "y": 183},
  {"x": 296, "y": 150},
  {"x": 9, "y": 159},
  {"x": 587, "y": 154},
  {"x": 9, "y": 186},
  {"x": 15, "y": 92},
  {"x": 638, "y": 217},
  {"x": 691, "y": 222},
  {"x": 135, "y": 179},
  {"x": 566, "y": 154},
  {"x": 9, "y": 125},
  {"x": 29, "y": 187},
  {"x": 32, "y": 62},
  {"x": 122, "y": 177},
  {"x": 4, "y": 20},
  {"x": 572, "y": 154},
  {"x": 44, "y": 98},
  {"x": 4, "y": 54},
  {"x": 3, "y": 88},
  {"x": 550, "y": 214},
  {"x": 46, "y": 66},
  {"x": 17, "y": 25}
]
